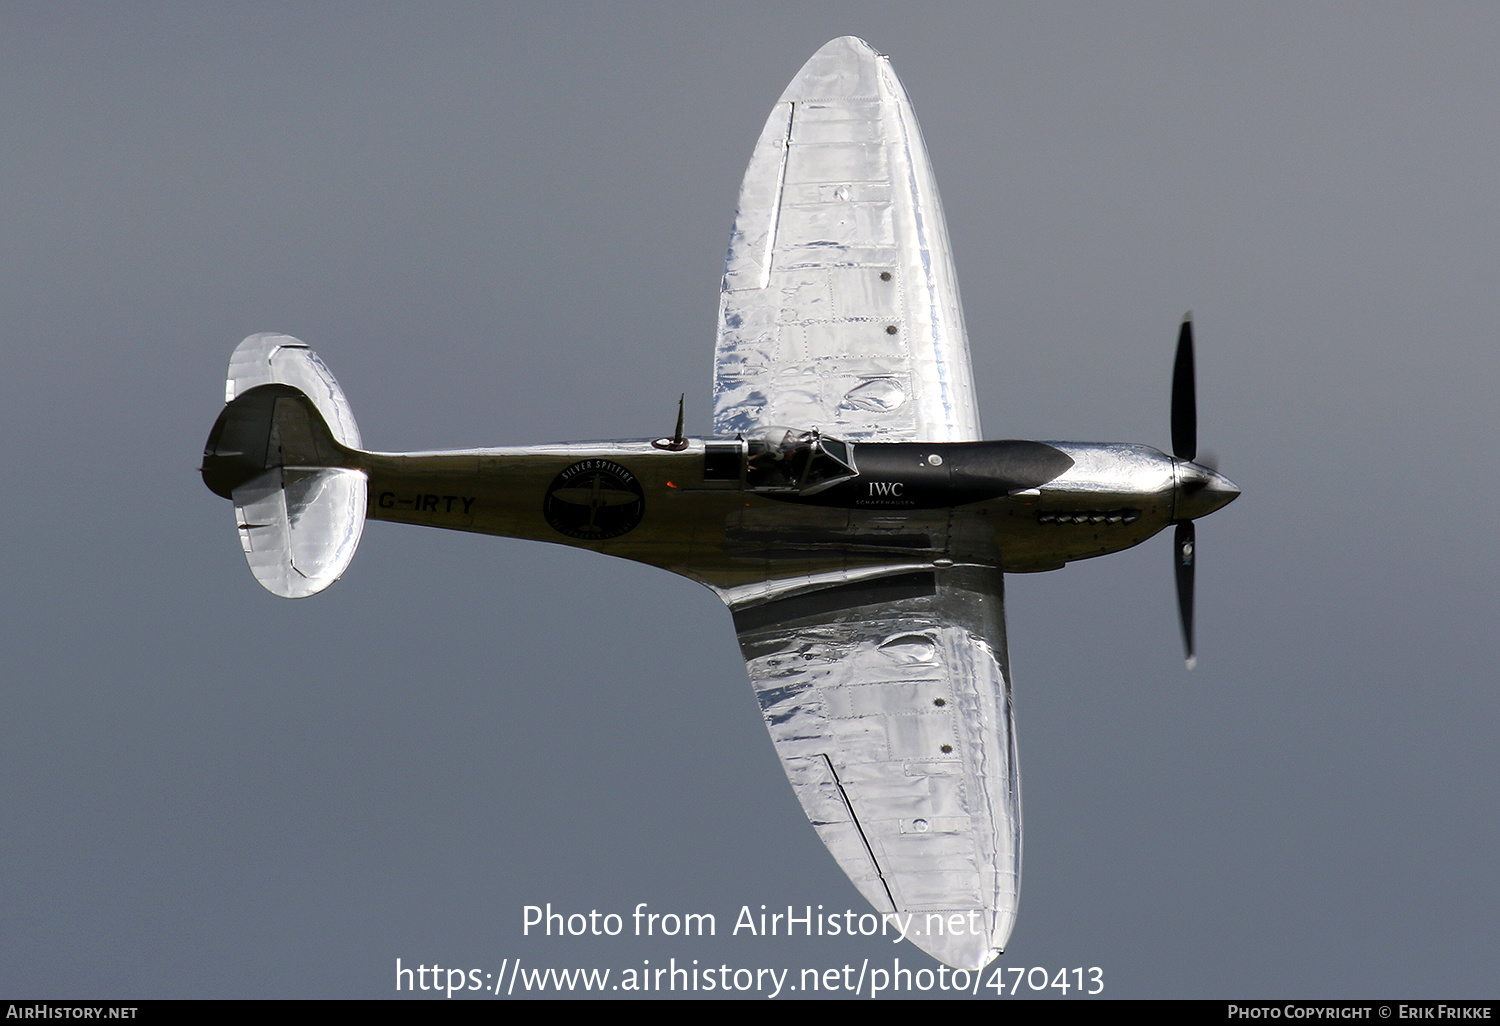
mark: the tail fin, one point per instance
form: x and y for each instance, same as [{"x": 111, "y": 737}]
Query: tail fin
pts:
[{"x": 286, "y": 451}]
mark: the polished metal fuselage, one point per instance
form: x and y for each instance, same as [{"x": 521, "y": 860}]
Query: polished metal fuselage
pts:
[{"x": 732, "y": 537}]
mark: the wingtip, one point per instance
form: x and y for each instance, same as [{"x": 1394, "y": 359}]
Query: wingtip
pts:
[
  {"x": 962, "y": 949},
  {"x": 850, "y": 41},
  {"x": 843, "y": 68}
]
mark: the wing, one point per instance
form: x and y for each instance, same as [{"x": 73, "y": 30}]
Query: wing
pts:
[
  {"x": 889, "y": 703},
  {"x": 840, "y": 307}
]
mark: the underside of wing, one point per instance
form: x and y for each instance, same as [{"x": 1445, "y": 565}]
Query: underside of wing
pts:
[
  {"x": 889, "y": 703},
  {"x": 840, "y": 308}
]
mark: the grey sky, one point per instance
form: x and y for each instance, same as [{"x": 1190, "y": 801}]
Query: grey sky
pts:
[{"x": 502, "y": 226}]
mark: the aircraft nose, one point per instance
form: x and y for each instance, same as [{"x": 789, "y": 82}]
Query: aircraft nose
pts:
[{"x": 1202, "y": 490}]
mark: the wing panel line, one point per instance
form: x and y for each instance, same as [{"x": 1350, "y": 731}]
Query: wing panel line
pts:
[{"x": 854, "y": 818}]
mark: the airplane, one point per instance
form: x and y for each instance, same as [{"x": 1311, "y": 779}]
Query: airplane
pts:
[{"x": 845, "y": 507}]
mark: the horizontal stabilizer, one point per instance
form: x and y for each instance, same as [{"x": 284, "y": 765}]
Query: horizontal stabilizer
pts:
[
  {"x": 299, "y": 528},
  {"x": 285, "y": 450},
  {"x": 271, "y": 358}
]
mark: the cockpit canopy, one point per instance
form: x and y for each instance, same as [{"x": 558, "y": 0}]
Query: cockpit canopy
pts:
[{"x": 782, "y": 459}]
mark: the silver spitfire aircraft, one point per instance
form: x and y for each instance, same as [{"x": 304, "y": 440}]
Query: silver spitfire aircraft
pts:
[{"x": 845, "y": 508}]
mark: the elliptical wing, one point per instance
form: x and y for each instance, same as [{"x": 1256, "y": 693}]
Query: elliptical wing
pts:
[
  {"x": 839, "y": 307},
  {"x": 889, "y": 703}
]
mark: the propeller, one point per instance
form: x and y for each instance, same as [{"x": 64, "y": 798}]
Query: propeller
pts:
[
  {"x": 1182, "y": 545},
  {"x": 1200, "y": 489},
  {"x": 1184, "y": 395}
]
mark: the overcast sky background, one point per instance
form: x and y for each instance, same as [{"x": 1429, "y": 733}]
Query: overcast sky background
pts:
[{"x": 506, "y": 225}]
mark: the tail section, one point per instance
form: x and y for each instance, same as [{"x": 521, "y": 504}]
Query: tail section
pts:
[{"x": 285, "y": 450}]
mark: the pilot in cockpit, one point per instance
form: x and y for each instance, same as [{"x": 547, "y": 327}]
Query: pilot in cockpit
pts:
[{"x": 782, "y": 458}]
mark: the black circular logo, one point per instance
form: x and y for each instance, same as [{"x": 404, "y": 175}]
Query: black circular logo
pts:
[{"x": 594, "y": 500}]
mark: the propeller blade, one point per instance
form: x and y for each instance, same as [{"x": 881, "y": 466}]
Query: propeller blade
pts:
[
  {"x": 1183, "y": 545},
  {"x": 1184, "y": 396}
]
